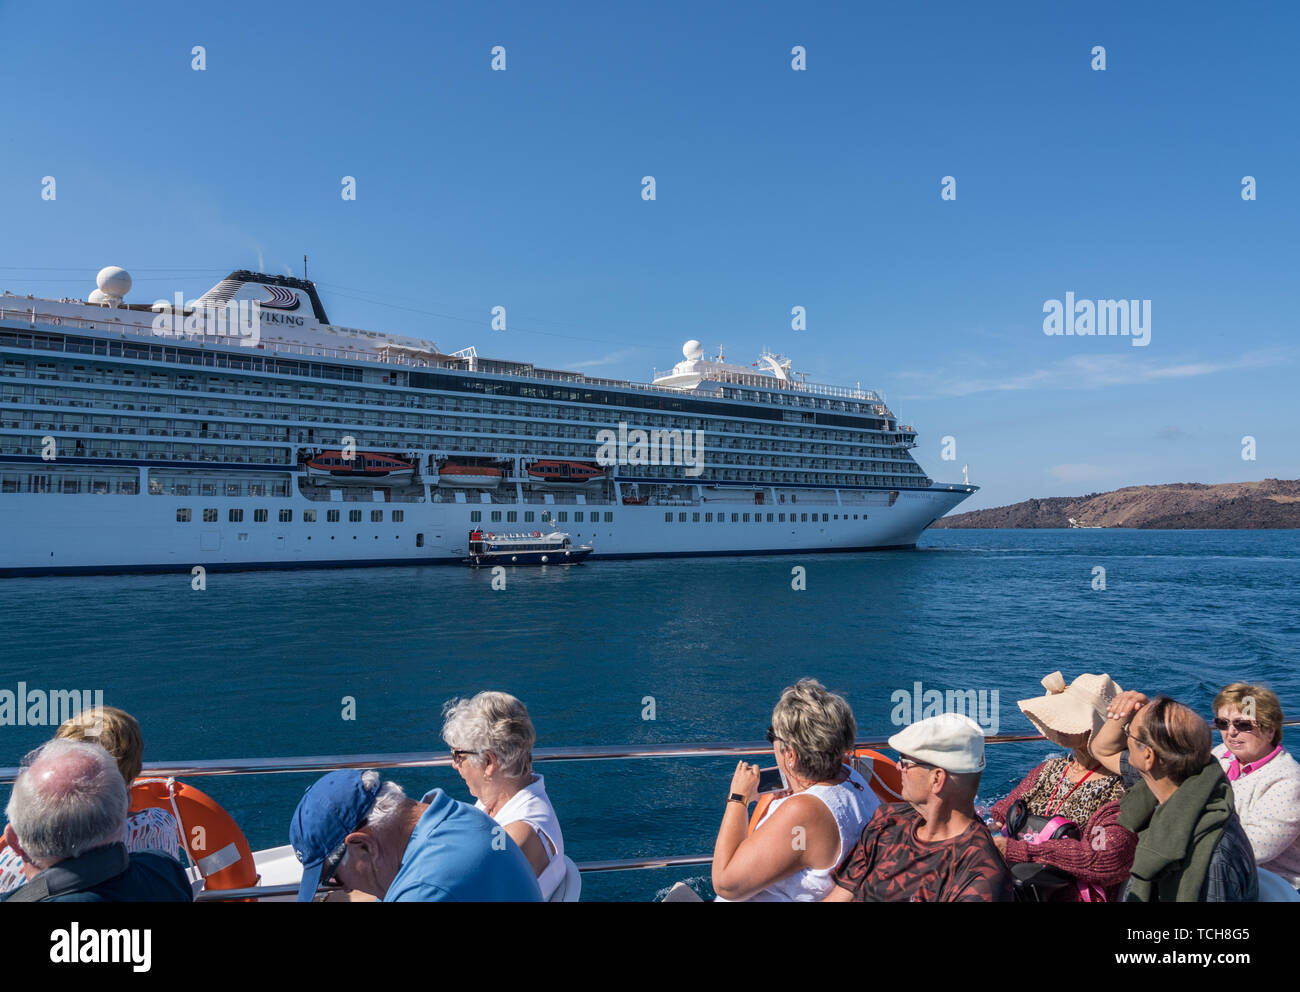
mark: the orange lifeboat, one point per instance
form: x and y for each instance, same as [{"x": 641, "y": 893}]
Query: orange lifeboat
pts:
[
  {"x": 555, "y": 472},
  {"x": 480, "y": 476},
  {"x": 358, "y": 467}
]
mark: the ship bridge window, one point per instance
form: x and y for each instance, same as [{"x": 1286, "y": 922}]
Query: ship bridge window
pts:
[
  {"x": 496, "y": 516},
  {"x": 562, "y": 516},
  {"x": 259, "y": 516},
  {"x": 668, "y": 518},
  {"x": 681, "y": 518},
  {"x": 577, "y": 517},
  {"x": 354, "y": 516},
  {"x": 210, "y": 515},
  {"x": 609, "y": 517},
  {"x": 695, "y": 518},
  {"x": 825, "y": 517},
  {"x": 511, "y": 515},
  {"x": 803, "y": 518},
  {"x": 376, "y": 516},
  {"x": 475, "y": 516},
  {"x": 708, "y": 518},
  {"x": 309, "y": 516},
  {"x": 332, "y": 516},
  {"x": 528, "y": 516},
  {"x": 286, "y": 516},
  {"x": 183, "y": 516},
  {"x": 236, "y": 516}
]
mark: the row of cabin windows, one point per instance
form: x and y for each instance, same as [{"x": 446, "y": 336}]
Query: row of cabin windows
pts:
[
  {"x": 561, "y": 517},
  {"x": 779, "y": 518},
  {"x": 184, "y": 515}
]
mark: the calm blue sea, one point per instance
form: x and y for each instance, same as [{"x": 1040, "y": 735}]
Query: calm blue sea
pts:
[{"x": 258, "y": 664}]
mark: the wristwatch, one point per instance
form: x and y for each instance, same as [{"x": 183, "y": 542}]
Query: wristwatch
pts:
[{"x": 736, "y": 797}]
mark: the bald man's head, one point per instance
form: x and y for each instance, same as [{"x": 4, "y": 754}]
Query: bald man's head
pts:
[{"x": 69, "y": 798}]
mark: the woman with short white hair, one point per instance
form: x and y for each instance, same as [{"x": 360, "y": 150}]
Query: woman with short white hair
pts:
[{"x": 491, "y": 739}]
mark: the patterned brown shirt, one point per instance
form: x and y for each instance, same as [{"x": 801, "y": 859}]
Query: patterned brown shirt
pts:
[{"x": 889, "y": 863}]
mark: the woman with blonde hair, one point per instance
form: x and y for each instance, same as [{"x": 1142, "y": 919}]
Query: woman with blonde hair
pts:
[
  {"x": 1265, "y": 778},
  {"x": 825, "y": 807}
]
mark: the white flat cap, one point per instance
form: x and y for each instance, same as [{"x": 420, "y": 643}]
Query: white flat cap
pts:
[{"x": 951, "y": 741}]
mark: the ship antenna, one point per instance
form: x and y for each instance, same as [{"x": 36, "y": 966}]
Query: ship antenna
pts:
[{"x": 304, "y": 266}]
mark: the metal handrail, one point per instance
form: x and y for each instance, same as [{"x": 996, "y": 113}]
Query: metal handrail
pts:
[
  {"x": 620, "y": 864},
  {"x": 433, "y": 759}
]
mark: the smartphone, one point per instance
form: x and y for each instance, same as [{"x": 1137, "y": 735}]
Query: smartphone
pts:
[{"x": 771, "y": 780}]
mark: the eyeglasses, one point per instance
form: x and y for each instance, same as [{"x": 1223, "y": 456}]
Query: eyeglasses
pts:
[
  {"x": 771, "y": 736},
  {"x": 1241, "y": 726},
  {"x": 1132, "y": 738},
  {"x": 460, "y": 754},
  {"x": 331, "y": 864}
]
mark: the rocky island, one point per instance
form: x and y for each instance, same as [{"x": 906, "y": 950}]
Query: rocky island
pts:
[{"x": 1272, "y": 503}]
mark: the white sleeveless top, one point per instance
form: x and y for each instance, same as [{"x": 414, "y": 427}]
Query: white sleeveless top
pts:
[
  {"x": 531, "y": 805},
  {"x": 852, "y": 803}
]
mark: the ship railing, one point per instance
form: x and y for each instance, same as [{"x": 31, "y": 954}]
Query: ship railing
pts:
[{"x": 434, "y": 759}]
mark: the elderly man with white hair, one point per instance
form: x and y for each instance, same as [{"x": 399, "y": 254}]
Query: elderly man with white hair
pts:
[{"x": 66, "y": 817}]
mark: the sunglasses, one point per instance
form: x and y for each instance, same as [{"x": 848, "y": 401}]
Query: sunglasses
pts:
[
  {"x": 460, "y": 754},
  {"x": 1241, "y": 726},
  {"x": 771, "y": 736},
  {"x": 906, "y": 763}
]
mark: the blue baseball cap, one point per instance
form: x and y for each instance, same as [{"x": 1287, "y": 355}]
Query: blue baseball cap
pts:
[{"x": 333, "y": 807}]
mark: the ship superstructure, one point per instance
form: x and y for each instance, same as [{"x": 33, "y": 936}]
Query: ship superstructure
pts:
[{"x": 138, "y": 437}]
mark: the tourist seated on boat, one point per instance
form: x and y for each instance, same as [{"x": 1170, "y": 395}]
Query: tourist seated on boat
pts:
[
  {"x": 1265, "y": 777},
  {"x": 353, "y": 830},
  {"x": 931, "y": 847},
  {"x": 1197, "y": 849},
  {"x": 67, "y": 813},
  {"x": 1092, "y": 862},
  {"x": 149, "y": 829},
  {"x": 491, "y": 739},
  {"x": 826, "y": 805}
]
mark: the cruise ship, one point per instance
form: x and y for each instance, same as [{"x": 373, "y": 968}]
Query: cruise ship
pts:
[{"x": 243, "y": 430}]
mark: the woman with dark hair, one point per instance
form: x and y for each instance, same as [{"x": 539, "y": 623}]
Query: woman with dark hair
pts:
[{"x": 1196, "y": 850}]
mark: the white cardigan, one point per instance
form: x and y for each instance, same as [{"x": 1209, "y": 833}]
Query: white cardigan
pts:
[{"x": 1268, "y": 803}]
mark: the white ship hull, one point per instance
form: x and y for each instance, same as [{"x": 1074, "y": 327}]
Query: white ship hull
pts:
[{"x": 85, "y": 534}]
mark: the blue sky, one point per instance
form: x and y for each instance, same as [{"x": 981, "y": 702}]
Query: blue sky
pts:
[{"x": 774, "y": 188}]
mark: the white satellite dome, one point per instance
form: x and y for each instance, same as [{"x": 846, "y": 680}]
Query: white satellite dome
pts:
[
  {"x": 99, "y": 296},
  {"x": 693, "y": 350},
  {"x": 114, "y": 282}
]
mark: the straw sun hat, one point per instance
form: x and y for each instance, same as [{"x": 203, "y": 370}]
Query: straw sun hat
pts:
[{"x": 1077, "y": 708}]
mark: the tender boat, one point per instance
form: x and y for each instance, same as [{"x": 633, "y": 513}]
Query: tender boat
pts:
[
  {"x": 359, "y": 468},
  {"x": 555, "y": 548}
]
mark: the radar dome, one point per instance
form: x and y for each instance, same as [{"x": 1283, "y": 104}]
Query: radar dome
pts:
[
  {"x": 693, "y": 350},
  {"x": 113, "y": 281},
  {"x": 99, "y": 296}
]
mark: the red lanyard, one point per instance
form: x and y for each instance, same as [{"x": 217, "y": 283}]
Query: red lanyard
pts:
[{"x": 1047, "y": 808}]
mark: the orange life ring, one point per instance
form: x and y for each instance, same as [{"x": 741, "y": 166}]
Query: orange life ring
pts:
[
  {"x": 213, "y": 839},
  {"x": 881, "y": 773}
]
